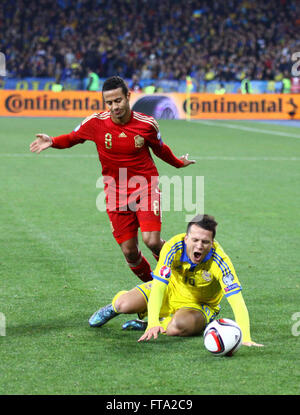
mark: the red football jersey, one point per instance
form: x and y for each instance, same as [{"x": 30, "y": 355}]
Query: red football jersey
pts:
[{"x": 123, "y": 150}]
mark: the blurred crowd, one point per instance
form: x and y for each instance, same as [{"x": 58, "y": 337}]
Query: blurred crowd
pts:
[{"x": 150, "y": 39}]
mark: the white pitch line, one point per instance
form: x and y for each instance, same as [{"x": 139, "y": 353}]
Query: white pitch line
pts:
[
  {"x": 49, "y": 155},
  {"x": 246, "y": 158},
  {"x": 242, "y": 128}
]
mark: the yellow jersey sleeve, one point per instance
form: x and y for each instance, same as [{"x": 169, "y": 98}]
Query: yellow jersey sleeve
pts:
[
  {"x": 225, "y": 272},
  {"x": 161, "y": 277},
  {"x": 241, "y": 315},
  {"x": 231, "y": 288},
  {"x": 154, "y": 304}
]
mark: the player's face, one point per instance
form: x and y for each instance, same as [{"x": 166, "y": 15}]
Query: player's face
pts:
[
  {"x": 118, "y": 105},
  {"x": 198, "y": 242}
]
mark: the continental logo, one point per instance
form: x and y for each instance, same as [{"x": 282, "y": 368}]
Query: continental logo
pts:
[
  {"x": 82, "y": 104},
  {"x": 263, "y": 105},
  {"x": 18, "y": 103}
]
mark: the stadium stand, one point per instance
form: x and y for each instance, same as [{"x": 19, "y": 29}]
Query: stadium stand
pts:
[{"x": 207, "y": 40}]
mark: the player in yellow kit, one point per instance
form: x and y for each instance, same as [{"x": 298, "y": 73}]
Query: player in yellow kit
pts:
[{"x": 191, "y": 277}]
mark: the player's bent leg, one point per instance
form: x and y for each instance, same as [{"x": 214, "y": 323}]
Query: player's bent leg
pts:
[
  {"x": 124, "y": 302},
  {"x": 102, "y": 316},
  {"x": 153, "y": 241},
  {"x": 141, "y": 294},
  {"x": 136, "y": 261},
  {"x": 131, "y": 250},
  {"x": 186, "y": 322},
  {"x": 130, "y": 302}
]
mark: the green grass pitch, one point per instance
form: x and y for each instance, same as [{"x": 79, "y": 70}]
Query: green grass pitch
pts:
[{"x": 59, "y": 263}]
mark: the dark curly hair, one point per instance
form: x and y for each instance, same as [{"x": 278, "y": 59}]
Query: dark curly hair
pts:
[
  {"x": 206, "y": 222},
  {"x": 115, "y": 82}
]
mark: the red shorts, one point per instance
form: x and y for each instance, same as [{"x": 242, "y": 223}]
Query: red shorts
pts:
[{"x": 147, "y": 217}]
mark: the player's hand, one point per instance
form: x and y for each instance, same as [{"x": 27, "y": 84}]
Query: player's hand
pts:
[
  {"x": 250, "y": 344},
  {"x": 186, "y": 161},
  {"x": 42, "y": 142},
  {"x": 153, "y": 332}
]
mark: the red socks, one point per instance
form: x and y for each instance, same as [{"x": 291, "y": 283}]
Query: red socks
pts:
[{"x": 142, "y": 270}]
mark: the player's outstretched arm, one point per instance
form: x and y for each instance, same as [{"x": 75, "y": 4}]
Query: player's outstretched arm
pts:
[
  {"x": 152, "y": 332},
  {"x": 241, "y": 315},
  {"x": 186, "y": 161},
  {"x": 42, "y": 142}
]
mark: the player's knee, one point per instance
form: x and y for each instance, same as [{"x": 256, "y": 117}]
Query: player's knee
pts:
[
  {"x": 122, "y": 304},
  {"x": 173, "y": 330},
  {"x": 178, "y": 327},
  {"x": 152, "y": 242},
  {"x": 189, "y": 323},
  {"x": 131, "y": 254}
]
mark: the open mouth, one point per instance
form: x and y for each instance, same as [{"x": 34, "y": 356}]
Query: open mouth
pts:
[{"x": 197, "y": 256}]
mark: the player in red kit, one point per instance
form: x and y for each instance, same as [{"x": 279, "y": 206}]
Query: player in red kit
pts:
[{"x": 123, "y": 139}]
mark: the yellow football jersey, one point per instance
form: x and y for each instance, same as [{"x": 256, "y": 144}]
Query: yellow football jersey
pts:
[{"x": 205, "y": 283}]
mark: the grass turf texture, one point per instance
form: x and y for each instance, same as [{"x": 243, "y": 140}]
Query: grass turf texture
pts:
[{"x": 59, "y": 263}]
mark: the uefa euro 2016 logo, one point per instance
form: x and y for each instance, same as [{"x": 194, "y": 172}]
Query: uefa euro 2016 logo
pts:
[{"x": 165, "y": 271}]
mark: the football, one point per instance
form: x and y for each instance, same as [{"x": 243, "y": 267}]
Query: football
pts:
[{"x": 222, "y": 337}]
